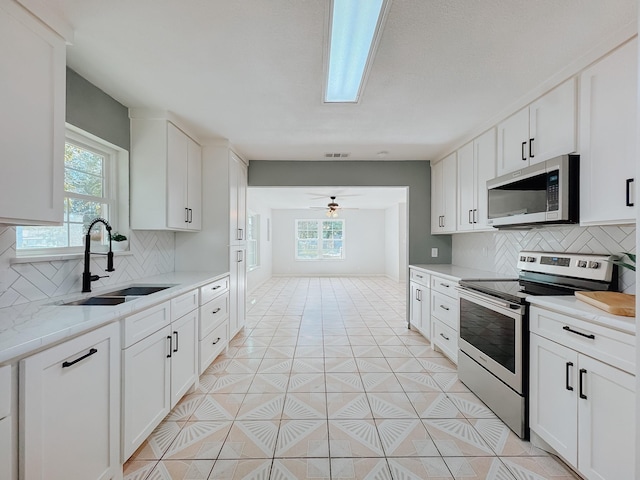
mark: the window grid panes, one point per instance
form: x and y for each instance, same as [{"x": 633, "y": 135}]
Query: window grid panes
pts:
[
  {"x": 320, "y": 239},
  {"x": 253, "y": 241},
  {"x": 86, "y": 176}
]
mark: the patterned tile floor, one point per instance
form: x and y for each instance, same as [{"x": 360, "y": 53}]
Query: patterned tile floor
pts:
[{"x": 326, "y": 382}]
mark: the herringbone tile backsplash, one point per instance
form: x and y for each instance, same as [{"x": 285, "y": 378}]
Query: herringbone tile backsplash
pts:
[
  {"x": 152, "y": 253},
  {"x": 498, "y": 251}
]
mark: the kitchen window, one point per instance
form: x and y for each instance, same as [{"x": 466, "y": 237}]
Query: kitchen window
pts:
[
  {"x": 320, "y": 239},
  {"x": 95, "y": 185},
  {"x": 253, "y": 241}
]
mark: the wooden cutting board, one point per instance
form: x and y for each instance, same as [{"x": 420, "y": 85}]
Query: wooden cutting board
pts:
[{"x": 612, "y": 302}]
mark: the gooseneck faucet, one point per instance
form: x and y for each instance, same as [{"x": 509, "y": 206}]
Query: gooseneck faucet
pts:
[{"x": 87, "y": 278}]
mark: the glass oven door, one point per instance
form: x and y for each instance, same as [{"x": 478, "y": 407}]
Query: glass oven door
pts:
[{"x": 491, "y": 332}]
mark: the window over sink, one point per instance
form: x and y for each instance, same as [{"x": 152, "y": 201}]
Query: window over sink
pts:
[{"x": 96, "y": 184}]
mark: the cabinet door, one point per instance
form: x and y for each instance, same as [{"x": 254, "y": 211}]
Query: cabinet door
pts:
[
  {"x": 552, "y": 123},
  {"x": 32, "y": 95},
  {"x": 7, "y": 451},
  {"x": 194, "y": 185},
  {"x": 70, "y": 409},
  {"x": 437, "y": 205},
  {"x": 553, "y": 396},
  {"x": 608, "y": 133},
  {"x": 147, "y": 385},
  {"x": 184, "y": 359},
  {"x": 237, "y": 290},
  {"x": 420, "y": 311},
  {"x": 237, "y": 200},
  {"x": 606, "y": 420},
  {"x": 177, "y": 178},
  {"x": 450, "y": 192},
  {"x": 485, "y": 169},
  {"x": 466, "y": 187},
  {"x": 513, "y": 141}
]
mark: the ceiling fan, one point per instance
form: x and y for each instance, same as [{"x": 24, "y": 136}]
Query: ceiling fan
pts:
[{"x": 332, "y": 208}]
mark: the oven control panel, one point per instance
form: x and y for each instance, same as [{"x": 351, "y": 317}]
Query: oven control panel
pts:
[{"x": 579, "y": 265}]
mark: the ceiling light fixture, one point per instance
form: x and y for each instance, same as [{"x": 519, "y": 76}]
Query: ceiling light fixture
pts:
[{"x": 355, "y": 30}]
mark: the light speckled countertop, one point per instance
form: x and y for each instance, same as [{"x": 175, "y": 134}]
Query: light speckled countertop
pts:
[
  {"x": 27, "y": 328},
  {"x": 457, "y": 273},
  {"x": 570, "y": 305}
]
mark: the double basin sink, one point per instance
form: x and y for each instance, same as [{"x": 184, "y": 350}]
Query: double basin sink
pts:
[{"x": 120, "y": 296}]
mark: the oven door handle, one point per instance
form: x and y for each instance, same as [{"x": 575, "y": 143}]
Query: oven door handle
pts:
[{"x": 515, "y": 307}]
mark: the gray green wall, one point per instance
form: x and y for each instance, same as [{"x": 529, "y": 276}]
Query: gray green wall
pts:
[
  {"x": 92, "y": 110},
  {"x": 413, "y": 174}
]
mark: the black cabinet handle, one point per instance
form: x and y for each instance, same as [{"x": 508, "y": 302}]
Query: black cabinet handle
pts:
[
  {"x": 444, "y": 308},
  {"x": 218, "y": 339},
  {"x": 569, "y": 329},
  {"x": 176, "y": 347},
  {"x": 629, "y": 182},
  {"x": 470, "y": 218},
  {"x": 524, "y": 155},
  {"x": 475, "y": 218},
  {"x": 444, "y": 285},
  {"x": 531, "y": 155},
  {"x": 86, "y": 355},
  {"x": 215, "y": 311},
  {"x": 444, "y": 336},
  {"x": 170, "y": 338},
  {"x": 190, "y": 215},
  {"x": 216, "y": 287},
  {"x": 582, "y": 372},
  {"x": 568, "y": 366},
  {"x": 186, "y": 215}
]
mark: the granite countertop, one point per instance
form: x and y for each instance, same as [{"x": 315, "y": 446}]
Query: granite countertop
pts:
[
  {"x": 29, "y": 327},
  {"x": 457, "y": 273},
  {"x": 570, "y": 305}
]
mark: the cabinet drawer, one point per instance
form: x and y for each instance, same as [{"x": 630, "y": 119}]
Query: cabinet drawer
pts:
[
  {"x": 445, "y": 309},
  {"x": 184, "y": 304},
  {"x": 420, "y": 277},
  {"x": 5, "y": 391},
  {"x": 142, "y": 324},
  {"x": 213, "y": 313},
  {"x": 605, "y": 344},
  {"x": 212, "y": 290},
  {"x": 442, "y": 285},
  {"x": 446, "y": 340},
  {"x": 213, "y": 345}
]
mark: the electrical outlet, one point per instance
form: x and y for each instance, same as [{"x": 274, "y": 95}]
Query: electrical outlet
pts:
[{"x": 434, "y": 252}]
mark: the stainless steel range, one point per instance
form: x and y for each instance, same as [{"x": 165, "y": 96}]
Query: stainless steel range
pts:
[{"x": 493, "y": 361}]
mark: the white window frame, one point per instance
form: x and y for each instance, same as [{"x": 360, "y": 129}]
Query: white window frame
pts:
[
  {"x": 320, "y": 257},
  {"x": 116, "y": 189},
  {"x": 253, "y": 219}
]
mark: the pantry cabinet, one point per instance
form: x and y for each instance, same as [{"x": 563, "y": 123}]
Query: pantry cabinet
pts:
[
  {"x": 443, "y": 195},
  {"x": 237, "y": 289},
  {"x": 582, "y": 405},
  {"x": 70, "y": 409},
  {"x": 543, "y": 130},
  {"x": 33, "y": 113},
  {"x": 420, "y": 301},
  {"x": 165, "y": 174},
  {"x": 476, "y": 165},
  {"x": 608, "y": 133},
  {"x": 237, "y": 200}
]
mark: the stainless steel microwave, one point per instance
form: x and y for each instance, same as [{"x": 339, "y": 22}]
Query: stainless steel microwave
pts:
[{"x": 545, "y": 193}]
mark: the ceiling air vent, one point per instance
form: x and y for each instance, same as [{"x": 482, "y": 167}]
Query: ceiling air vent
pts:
[{"x": 336, "y": 155}]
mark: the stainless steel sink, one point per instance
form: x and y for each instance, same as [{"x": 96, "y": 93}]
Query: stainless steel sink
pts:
[
  {"x": 99, "y": 301},
  {"x": 136, "y": 291}
]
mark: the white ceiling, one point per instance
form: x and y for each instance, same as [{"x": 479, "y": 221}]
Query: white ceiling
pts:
[
  {"x": 251, "y": 71},
  {"x": 287, "y": 198}
]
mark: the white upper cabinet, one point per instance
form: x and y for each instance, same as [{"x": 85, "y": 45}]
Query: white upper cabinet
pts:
[
  {"x": 476, "y": 165},
  {"x": 32, "y": 95},
  {"x": 237, "y": 200},
  {"x": 543, "y": 130},
  {"x": 608, "y": 136},
  {"x": 166, "y": 175},
  {"x": 443, "y": 195}
]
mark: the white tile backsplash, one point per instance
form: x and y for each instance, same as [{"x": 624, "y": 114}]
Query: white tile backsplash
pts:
[
  {"x": 497, "y": 251},
  {"x": 152, "y": 253}
]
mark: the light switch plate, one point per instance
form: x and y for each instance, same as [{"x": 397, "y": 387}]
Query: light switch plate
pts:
[{"x": 434, "y": 252}]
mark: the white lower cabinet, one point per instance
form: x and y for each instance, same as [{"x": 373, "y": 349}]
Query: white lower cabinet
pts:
[
  {"x": 419, "y": 302},
  {"x": 6, "y": 449},
  {"x": 237, "y": 289},
  {"x": 159, "y": 369},
  {"x": 70, "y": 409},
  {"x": 214, "y": 321},
  {"x": 582, "y": 407},
  {"x": 445, "y": 316}
]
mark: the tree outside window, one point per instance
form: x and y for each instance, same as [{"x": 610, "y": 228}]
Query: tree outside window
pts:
[{"x": 320, "y": 239}]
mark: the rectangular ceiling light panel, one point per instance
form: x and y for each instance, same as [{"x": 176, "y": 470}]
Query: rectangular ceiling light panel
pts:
[{"x": 355, "y": 27}]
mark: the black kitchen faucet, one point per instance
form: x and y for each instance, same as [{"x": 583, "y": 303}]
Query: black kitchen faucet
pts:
[{"x": 87, "y": 278}]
